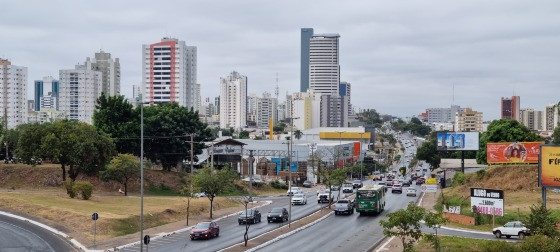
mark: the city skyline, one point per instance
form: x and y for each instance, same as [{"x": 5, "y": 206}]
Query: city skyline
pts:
[{"x": 407, "y": 56}]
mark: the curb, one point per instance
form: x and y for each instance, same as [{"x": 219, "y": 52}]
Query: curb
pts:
[
  {"x": 48, "y": 228},
  {"x": 162, "y": 235}
]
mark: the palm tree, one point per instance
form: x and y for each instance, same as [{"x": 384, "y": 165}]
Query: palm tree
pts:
[{"x": 298, "y": 134}]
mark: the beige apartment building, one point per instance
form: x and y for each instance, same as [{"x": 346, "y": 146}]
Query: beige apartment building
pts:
[{"x": 468, "y": 120}]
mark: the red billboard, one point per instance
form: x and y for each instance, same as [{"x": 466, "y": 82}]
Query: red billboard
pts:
[{"x": 518, "y": 152}]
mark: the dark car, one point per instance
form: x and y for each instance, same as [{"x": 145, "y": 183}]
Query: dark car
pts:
[
  {"x": 420, "y": 181},
  {"x": 251, "y": 216},
  {"x": 324, "y": 198},
  {"x": 406, "y": 183},
  {"x": 357, "y": 184},
  {"x": 277, "y": 214},
  {"x": 205, "y": 230},
  {"x": 307, "y": 184}
]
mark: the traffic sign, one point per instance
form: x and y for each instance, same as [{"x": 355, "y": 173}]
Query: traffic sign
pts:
[
  {"x": 431, "y": 181},
  {"x": 146, "y": 239},
  {"x": 428, "y": 188},
  {"x": 95, "y": 216}
]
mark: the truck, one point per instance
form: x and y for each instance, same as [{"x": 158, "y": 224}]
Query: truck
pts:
[
  {"x": 344, "y": 206},
  {"x": 324, "y": 198}
]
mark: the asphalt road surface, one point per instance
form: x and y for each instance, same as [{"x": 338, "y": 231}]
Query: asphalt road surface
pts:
[
  {"x": 231, "y": 232},
  {"x": 17, "y": 235}
]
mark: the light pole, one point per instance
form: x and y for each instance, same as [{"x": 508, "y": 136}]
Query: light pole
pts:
[
  {"x": 312, "y": 147},
  {"x": 362, "y": 161},
  {"x": 340, "y": 148},
  {"x": 141, "y": 173},
  {"x": 250, "y": 167}
]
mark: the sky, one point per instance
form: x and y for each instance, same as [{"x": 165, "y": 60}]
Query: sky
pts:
[{"x": 401, "y": 57}]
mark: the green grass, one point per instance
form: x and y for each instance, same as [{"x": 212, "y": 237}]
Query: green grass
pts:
[
  {"x": 161, "y": 191},
  {"x": 451, "y": 244}
]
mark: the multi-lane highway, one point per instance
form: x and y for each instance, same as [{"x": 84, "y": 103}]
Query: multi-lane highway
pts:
[
  {"x": 18, "y": 235},
  {"x": 231, "y": 232}
]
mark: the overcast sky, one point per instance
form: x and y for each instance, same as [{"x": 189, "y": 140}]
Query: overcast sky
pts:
[{"x": 400, "y": 56}]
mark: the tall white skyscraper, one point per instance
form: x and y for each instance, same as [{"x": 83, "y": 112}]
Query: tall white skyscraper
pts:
[
  {"x": 324, "y": 68},
  {"x": 169, "y": 72},
  {"x": 78, "y": 92},
  {"x": 111, "y": 70},
  {"x": 233, "y": 101},
  {"x": 13, "y": 90}
]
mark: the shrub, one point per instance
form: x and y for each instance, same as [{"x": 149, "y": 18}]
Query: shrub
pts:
[
  {"x": 458, "y": 179},
  {"x": 69, "y": 186},
  {"x": 276, "y": 184},
  {"x": 538, "y": 243},
  {"x": 480, "y": 174},
  {"x": 84, "y": 188},
  {"x": 500, "y": 246}
]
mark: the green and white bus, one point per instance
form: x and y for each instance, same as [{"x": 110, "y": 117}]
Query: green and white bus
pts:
[{"x": 370, "y": 199}]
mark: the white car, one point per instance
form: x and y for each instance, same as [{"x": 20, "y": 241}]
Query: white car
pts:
[
  {"x": 512, "y": 228},
  {"x": 299, "y": 199},
  {"x": 294, "y": 190},
  {"x": 347, "y": 188},
  {"x": 411, "y": 192}
]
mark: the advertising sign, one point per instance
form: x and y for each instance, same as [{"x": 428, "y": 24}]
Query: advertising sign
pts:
[
  {"x": 518, "y": 152},
  {"x": 428, "y": 188},
  {"x": 549, "y": 166},
  {"x": 457, "y": 141},
  {"x": 431, "y": 181},
  {"x": 452, "y": 209},
  {"x": 488, "y": 201}
]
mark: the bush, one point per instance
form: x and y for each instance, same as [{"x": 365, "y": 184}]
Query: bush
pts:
[
  {"x": 480, "y": 174},
  {"x": 276, "y": 184},
  {"x": 500, "y": 246},
  {"x": 538, "y": 243},
  {"x": 68, "y": 185},
  {"x": 84, "y": 188},
  {"x": 458, "y": 179}
]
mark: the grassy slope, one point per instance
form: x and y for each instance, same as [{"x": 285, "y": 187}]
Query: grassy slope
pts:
[{"x": 451, "y": 244}]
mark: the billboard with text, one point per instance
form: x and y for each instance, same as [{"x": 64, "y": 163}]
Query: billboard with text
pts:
[
  {"x": 517, "y": 152},
  {"x": 549, "y": 166},
  {"x": 449, "y": 141}
]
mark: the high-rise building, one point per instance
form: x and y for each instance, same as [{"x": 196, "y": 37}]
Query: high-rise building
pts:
[
  {"x": 169, "y": 72},
  {"x": 510, "y": 108},
  {"x": 217, "y": 105},
  {"x": 306, "y": 109},
  {"x": 197, "y": 101},
  {"x": 13, "y": 89},
  {"x": 233, "y": 101},
  {"x": 334, "y": 111},
  {"x": 324, "y": 68},
  {"x": 267, "y": 109},
  {"x": 442, "y": 115},
  {"x": 306, "y": 34},
  {"x": 344, "y": 90},
  {"x": 282, "y": 111},
  {"x": 46, "y": 90},
  {"x": 78, "y": 92},
  {"x": 552, "y": 117},
  {"x": 468, "y": 120},
  {"x": 137, "y": 94},
  {"x": 533, "y": 120},
  {"x": 252, "y": 100},
  {"x": 111, "y": 72}
]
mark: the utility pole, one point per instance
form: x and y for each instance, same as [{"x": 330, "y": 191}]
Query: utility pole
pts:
[
  {"x": 362, "y": 161},
  {"x": 290, "y": 149},
  {"x": 250, "y": 167},
  {"x": 141, "y": 173}
]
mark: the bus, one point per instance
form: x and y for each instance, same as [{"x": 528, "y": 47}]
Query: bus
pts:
[{"x": 370, "y": 199}]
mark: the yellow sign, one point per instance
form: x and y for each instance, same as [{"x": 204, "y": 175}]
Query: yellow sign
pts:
[
  {"x": 431, "y": 181},
  {"x": 344, "y": 135},
  {"x": 549, "y": 166}
]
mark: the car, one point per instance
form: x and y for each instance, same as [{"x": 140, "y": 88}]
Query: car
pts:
[
  {"x": 199, "y": 195},
  {"x": 419, "y": 181},
  {"x": 347, "y": 188},
  {"x": 251, "y": 216},
  {"x": 323, "y": 190},
  {"x": 344, "y": 206},
  {"x": 406, "y": 184},
  {"x": 294, "y": 190},
  {"x": 396, "y": 188},
  {"x": 381, "y": 183},
  {"x": 410, "y": 192},
  {"x": 512, "y": 228},
  {"x": 357, "y": 184},
  {"x": 390, "y": 183},
  {"x": 277, "y": 214},
  {"x": 205, "y": 230},
  {"x": 335, "y": 188},
  {"x": 324, "y": 198},
  {"x": 299, "y": 199},
  {"x": 307, "y": 184}
]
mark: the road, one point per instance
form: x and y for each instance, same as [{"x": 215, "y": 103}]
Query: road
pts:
[
  {"x": 231, "y": 232},
  {"x": 347, "y": 233},
  {"x": 17, "y": 235}
]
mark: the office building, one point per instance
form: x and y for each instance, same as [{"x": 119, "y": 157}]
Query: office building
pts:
[
  {"x": 110, "y": 70},
  {"x": 306, "y": 34},
  {"x": 334, "y": 111},
  {"x": 344, "y": 90},
  {"x": 169, "y": 72},
  {"x": 79, "y": 89},
  {"x": 217, "y": 106},
  {"x": 468, "y": 120},
  {"x": 306, "y": 107},
  {"x": 324, "y": 68},
  {"x": 533, "y": 120},
  {"x": 136, "y": 95},
  {"x": 46, "y": 90},
  {"x": 442, "y": 115},
  {"x": 197, "y": 101},
  {"x": 13, "y": 90},
  {"x": 510, "y": 108},
  {"x": 252, "y": 100},
  {"x": 266, "y": 110},
  {"x": 233, "y": 101},
  {"x": 282, "y": 111}
]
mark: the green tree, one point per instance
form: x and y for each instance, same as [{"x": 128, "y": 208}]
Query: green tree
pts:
[
  {"x": 213, "y": 182},
  {"x": 123, "y": 168},
  {"x": 279, "y": 127},
  {"x": 556, "y": 135},
  {"x": 332, "y": 178},
  {"x": 541, "y": 221},
  {"x": 405, "y": 224},
  {"x": 428, "y": 151},
  {"x": 167, "y": 130},
  {"x": 371, "y": 117},
  {"x": 298, "y": 134},
  {"x": 434, "y": 220},
  {"x": 243, "y": 134},
  {"x": 504, "y": 130},
  {"x": 11, "y": 138},
  {"x": 28, "y": 148},
  {"x": 115, "y": 116}
]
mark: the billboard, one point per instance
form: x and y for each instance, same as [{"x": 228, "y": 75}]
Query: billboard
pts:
[
  {"x": 518, "y": 152},
  {"x": 488, "y": 201},
  {"x": 549, "y": 166},
  {"x": 457, "y": 141}
]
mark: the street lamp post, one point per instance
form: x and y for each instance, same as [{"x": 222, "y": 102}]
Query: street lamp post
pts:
[
  {"x": 141, "y": 173},
  {"x": 362, "y": 161}
]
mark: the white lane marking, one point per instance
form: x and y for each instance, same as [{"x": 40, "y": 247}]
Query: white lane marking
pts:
[
  {"x": 50, "y": 229},
  {"x": 162, "y": 235},
  {"x": 382, "y": 248}
]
